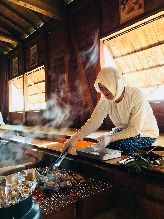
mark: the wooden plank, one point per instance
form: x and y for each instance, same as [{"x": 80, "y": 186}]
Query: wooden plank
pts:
[
  {"x": 20, "y": 14},
  {"x": 8, "y": 38},
  {"x": 40, "y": 7},
  {"x": 5, "y": 47},
  {"x": 81, "y": 71},
  {"x": 66, "y": 62},
  {"x": 13, "y": 30},
  {"x": 3, "y": 51},
  {"x": 10, "y": 20}
]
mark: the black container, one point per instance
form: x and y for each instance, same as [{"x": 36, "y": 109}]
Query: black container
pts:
[{"x": 26, "y": 209}]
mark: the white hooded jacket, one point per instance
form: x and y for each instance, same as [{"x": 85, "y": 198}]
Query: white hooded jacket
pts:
[{"x": 133, "y": 113}]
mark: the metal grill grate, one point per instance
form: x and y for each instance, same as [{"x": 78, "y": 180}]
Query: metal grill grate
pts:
[{"x": 56, "y": 200}]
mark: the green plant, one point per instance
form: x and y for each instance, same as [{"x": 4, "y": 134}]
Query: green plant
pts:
[{"x": 142, "y": 159}]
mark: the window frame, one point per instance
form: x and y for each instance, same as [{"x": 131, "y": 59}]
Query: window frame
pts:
[{"x": 25, "y": 82}]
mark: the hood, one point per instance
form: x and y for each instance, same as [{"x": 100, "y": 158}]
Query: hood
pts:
[
  {"x": 1, "y": 119},
  {"x": 112, "y": 80}
]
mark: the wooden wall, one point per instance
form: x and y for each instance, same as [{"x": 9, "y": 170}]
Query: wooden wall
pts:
[
  {"x": 110, "y": 14},
  {"x": 3, "y": 85},
  {"x": 70, "y": 52}
]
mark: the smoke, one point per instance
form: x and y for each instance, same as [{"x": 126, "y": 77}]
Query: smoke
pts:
[
  {"x": 57, "y": 113},
  {"x": 62, "y": 110},
  {"x": 65, "y": 106},
  {"x": 11, "y": 153},
  {"x": 15, "y": 150},
  {"x": 92, "y": 53}
]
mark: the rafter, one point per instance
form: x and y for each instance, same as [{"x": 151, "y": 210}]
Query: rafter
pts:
[
  {"x": 19, "y": 35},
  {"x": 30, "y": 22},
  {"x": 8, "y": 38},
  {"x": 5, "y": 46},
  {"x": 40, "y": 7},
  {"x": 40, "y": 16},
  {"x": 8, "y": 19},
  {"x": 3, "y": 51}
]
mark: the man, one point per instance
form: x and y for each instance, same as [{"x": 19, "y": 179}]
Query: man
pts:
[{"x": 129, "y": 111}]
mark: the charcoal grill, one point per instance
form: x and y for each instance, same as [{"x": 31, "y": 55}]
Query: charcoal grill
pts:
[
  {"x": 25, "y": 209},
  {"x": 57, "y": 199}
]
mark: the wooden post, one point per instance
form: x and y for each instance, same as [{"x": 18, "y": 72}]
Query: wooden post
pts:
[
  {"x": 66, "y": 60},
  {"x": 81, "y": 70}
]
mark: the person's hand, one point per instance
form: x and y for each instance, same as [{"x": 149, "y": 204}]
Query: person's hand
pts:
[
  {"x": 103, "y": 140},
  {"x": 67, "y": 146}
]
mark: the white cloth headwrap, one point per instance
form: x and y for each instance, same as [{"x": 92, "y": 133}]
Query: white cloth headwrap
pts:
[
  {"x": 1, "y": 119},
  {"x": 112, "y": 80}
]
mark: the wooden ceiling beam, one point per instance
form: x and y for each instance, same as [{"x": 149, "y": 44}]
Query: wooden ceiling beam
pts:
[
  {"x": 41, "y": 17},
  {"x": 40, "y": 7},
  {"x": 18, "y": 35},
  {"x": 30, "y": 22},
  {"x": 4, "y": 37},
  {"x": 8, "y": 19},
  {"x": 9, "y": 45},
  {"x": 5, "y": 46},
  {"x": 2, "y": 51}
]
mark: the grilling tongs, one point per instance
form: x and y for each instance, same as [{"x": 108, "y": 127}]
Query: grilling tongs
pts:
[{"x": 59, "y": 160}]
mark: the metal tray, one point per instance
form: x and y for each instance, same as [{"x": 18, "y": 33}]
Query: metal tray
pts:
[{"x": 105, "y": 154}]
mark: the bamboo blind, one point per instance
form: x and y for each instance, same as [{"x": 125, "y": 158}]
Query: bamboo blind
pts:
[{"x": 138, "y": 52}]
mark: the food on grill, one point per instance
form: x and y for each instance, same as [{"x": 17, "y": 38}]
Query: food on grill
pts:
[
  {"x": 16, "y": 187},
  {"x": 81, "y": 188},
  {"x": 57, "y": 179}
]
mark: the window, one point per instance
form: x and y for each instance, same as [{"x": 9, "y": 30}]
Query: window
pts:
[
  {"x": 35, "y": 89},
  {"x": 16, "y": 100},
  {"x": 27, "y": 92},
  {"x": 138, "y": 51}
]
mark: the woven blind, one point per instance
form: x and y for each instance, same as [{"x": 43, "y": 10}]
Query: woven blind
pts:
[{"x": 138, "y": 52}]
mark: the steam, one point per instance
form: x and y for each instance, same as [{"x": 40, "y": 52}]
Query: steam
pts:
[
  {"x": 11, "y": 153},
  {"x": 92, "y": 53},
  {"x": 62, "y": 110},
  {"x": 14, "y": 153},
  {"x": 64, "y": 107}
]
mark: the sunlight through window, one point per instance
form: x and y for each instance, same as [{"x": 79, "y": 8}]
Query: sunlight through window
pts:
[
  {"x": 32, "y": 95},
  {"x": 16, "y": 99},
  {"x": 137, "y": 51}
]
